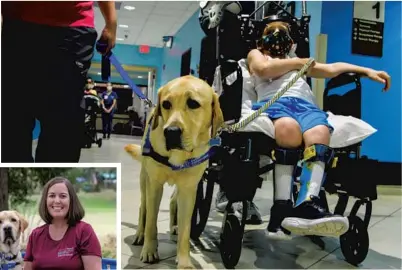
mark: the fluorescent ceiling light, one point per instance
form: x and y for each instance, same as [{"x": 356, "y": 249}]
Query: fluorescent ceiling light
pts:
[
  {"x": 123, "y": 25},
  {"x": 140, "y": 77},
  {"x": 129, "y": 8},
  {"x": 119, "y": 38},
  {"x": 99, "y": 73}
]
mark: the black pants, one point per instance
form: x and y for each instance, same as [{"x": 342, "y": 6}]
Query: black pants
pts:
[
  {"x": 44, "y": 73},
  {"x": 107, "y": 121}
]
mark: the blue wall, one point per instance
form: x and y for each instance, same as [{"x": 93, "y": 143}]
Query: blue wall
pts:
[
  {"x": 381, "y": 110},
  {"x": 189, "y": 36}
]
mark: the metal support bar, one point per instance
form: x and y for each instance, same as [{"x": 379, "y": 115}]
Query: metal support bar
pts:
[{"x": 304, "y": 8}]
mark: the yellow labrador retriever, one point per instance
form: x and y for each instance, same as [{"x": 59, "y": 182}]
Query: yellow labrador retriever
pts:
[
  {"x": 187, "y": 115},
  {"x": 12, "y": 225}
]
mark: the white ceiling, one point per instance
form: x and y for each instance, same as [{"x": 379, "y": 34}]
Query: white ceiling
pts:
[{"x": 149, "y": 21}]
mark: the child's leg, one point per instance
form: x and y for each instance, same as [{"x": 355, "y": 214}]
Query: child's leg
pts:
[
  {"x": 308, "y": 216},
  {"x": 285, "y": 164}
]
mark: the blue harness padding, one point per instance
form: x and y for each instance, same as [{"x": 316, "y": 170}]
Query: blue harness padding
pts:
[
  {"x": 148, "y": 150},
  {"x": 6, "y": 262}
]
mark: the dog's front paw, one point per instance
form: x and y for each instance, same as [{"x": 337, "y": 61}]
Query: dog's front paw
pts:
[
  {"x": 138, "y": 238},
  {"x": 149, "y": 253},
  {"x": 184, "y": 263}
]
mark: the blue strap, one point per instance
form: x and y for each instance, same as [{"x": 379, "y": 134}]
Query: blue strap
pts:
[
  {"x": 194, "y": 161},
  {"x": 148, "y": 151},
  {"x": 101, "y": 47},
  {"x": 7, "y": 266}
]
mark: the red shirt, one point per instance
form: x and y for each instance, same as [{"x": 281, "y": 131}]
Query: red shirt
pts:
[
  {"x": 53, "y": 13},
  {"x": 46, "y": 253}
]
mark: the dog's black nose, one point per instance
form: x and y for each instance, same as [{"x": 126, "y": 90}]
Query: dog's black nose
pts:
[
  {"x": 173, "y": 137},
  {"x": 7, "y": 231}
]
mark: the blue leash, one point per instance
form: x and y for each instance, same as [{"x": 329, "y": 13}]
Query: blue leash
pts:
[{"x": 101, "y": 47}]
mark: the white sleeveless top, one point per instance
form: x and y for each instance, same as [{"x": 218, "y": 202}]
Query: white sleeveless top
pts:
[{"x": 266, "y": 89}]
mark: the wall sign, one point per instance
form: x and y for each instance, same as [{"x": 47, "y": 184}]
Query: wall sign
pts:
[{"x": 368, "y": 28}]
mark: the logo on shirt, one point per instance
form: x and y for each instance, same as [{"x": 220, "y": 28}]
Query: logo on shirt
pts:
[{"x": 67, "y": 252}]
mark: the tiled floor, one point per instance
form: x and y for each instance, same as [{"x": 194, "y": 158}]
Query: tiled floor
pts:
[{"x": 258, "y": 252}]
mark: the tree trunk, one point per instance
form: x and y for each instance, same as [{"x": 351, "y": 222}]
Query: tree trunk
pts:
[{"x": 3, "y": 189}]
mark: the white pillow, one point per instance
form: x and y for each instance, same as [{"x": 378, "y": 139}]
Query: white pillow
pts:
[{"x": 348, "y": 130}]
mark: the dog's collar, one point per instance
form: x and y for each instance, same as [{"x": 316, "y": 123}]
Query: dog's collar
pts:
[
  {"x": 7, "y": 261},
  {"x": 147, "y": 150}
]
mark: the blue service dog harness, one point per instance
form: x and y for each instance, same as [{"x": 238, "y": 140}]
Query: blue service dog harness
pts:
[
  {"x": 7, "y": 261},
  {"x": 148, "y": 150}
]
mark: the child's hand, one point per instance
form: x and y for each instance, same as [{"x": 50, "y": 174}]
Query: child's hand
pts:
[{"x": 380, "y": 76}]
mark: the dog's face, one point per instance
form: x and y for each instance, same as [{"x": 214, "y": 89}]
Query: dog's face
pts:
[
  {"x": 189, "y": 111},
  {"x": 12, "y": 224}
]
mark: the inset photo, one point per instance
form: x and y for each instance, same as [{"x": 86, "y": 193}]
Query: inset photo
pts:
[{"x": 59, "y": 217}]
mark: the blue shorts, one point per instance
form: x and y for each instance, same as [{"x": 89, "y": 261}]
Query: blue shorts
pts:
[{"x": 308, "y": 115}]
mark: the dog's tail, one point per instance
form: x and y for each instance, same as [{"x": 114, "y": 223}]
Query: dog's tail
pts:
[{"x": 134, "y": 150}]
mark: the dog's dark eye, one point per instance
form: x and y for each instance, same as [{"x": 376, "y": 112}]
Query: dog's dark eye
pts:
[
  {"x": 13, "y": 220},
  {"x": 192, "y": 104},
  {"x": 166, "y": 105}
]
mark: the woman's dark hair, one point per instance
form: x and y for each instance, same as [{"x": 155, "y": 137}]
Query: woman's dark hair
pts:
[{"x": 75, "y": 212}]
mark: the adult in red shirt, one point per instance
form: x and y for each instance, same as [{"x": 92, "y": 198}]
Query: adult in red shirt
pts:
[
  {"x": 65, "y": 241},
  {"x": 47, "y": 49}
]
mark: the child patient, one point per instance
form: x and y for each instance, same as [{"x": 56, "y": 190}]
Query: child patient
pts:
[{"x": 298, "y": 122}]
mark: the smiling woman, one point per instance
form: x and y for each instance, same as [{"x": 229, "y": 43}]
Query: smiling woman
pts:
[{"x": 64, "y": 241}]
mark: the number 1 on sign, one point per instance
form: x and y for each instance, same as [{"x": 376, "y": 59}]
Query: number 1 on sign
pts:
[{"x": 377, "y": 10}]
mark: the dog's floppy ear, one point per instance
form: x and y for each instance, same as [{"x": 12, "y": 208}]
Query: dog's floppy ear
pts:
[
  {"x": 217, "y": 116},
  {"x": 157, "y": 111},
  {"x": 23, "y": 222}
]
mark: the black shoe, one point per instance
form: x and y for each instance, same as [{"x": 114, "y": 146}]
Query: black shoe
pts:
[
  {"x": 104, "y": 136},
  {"x": 108, "y": 136},
  {"x": 309, "y": 218},
  {"x": 279, "y": 211}
]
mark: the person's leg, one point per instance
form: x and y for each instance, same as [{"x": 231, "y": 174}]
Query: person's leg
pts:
[
  {"x": 67, "y": 61},
  {"x": 104, "y": 124},
  {"x": 17, "y": 115},
  {"x": 309, "y": 217},
  {"x": 288, "y": 136},
  {"x": 110, "y": 125}
]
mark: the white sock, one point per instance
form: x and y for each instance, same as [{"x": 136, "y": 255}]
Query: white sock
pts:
[{"x": 283, "y": 181}]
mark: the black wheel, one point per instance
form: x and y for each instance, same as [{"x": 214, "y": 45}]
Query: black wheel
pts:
[
  {"x": 355, "y": 242},
  {"x": 99, "y": 142},
  {"x": 202, "y": 207},
  {"x": 231, "y": 241}
]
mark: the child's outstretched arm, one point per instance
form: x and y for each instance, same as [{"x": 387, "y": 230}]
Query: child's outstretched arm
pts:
[{"x": 319, "y": 70}]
